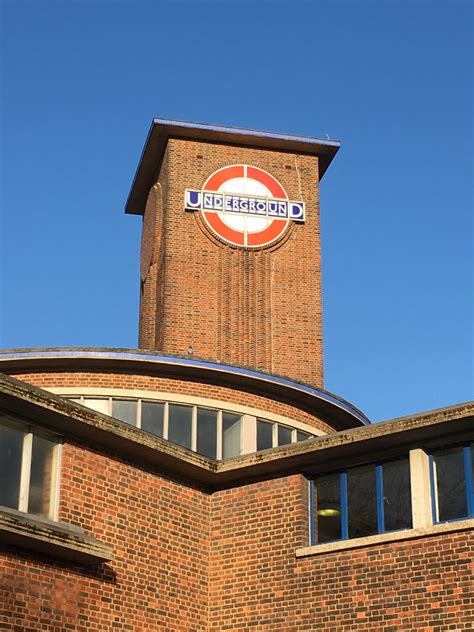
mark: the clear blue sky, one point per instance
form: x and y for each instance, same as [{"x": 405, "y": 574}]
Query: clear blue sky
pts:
[{"x": 392, "y": 80}]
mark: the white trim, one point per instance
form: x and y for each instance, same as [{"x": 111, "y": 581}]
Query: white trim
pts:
[
  {"x": 56, "y": 482},
  {"x": 26, "y": 452},
  {"x": 219, "y": 437},
  {"x": 166, "y": 417},
  {"x": 194, "y": 429},
  {"x": 192, "y": 400}
]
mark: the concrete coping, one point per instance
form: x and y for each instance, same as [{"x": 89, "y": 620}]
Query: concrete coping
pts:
[
  {"x": 385, "y": 538},
  {"x": 58, "y": 539},
  {"x": 431, "y": 429}
]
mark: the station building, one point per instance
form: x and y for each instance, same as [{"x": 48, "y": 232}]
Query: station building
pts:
[{"x": 207, "y": 481}]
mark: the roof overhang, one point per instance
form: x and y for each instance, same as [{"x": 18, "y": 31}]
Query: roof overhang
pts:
[
  {"x": 330, "y": 408},
  {"x": 427, "y": 430},
  {"x": 163, "y": 129}
]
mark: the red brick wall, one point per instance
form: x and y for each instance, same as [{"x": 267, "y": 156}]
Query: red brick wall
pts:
[
  {"x": 158, "y": 581},
  {"x": 257, "y": 583},
  {"x": 191, "y": 562},
  {"x": 255, "y": 308},
  {"x": 183, "y": 387}
]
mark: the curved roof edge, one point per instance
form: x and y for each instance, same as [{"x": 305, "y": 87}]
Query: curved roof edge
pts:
[{"x": 333, "y": 409}]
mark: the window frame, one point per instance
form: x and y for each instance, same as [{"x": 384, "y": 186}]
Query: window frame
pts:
[
  {"x": 30, "y": 431},
  {"x": 378, "y": 465},
  {"x": 468, "y": 450}
]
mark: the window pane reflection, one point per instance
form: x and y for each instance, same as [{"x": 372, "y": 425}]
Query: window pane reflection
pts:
[
  {"x": 302, "y": 436},
  {"x": 152, "y": 417},
  {"x": 125, "y": 410},
  {"x": 11, "y": 446},
  {"x": 328, "y": 508},
  {"x": 230, "y": 435},
  {"x": 99, "y": 405},
  {"x": 207, "y": 432},
  {"x": 361, "y": 501},
  {"x": 41, "y": 477},
  {"x": 284, "y": 435},
  {"x": 450, "y": 484},
  {"x": 180, "y": 425},
  {"x": 397, "y": 495},
  {"x": 264, "y": 435}
]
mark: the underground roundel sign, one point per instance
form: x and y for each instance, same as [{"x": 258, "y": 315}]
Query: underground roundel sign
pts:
[{"x": 244, "y": 206}]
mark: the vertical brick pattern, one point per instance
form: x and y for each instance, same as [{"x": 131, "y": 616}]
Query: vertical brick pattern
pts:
[{"x": 255, "y": 308}]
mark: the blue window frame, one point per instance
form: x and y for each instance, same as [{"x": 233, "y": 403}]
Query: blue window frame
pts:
[
  {"x": 360, "y": 501},
  {"x": 452, "y": 488}
]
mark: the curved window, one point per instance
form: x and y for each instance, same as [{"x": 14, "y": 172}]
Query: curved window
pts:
[{"x": 213, "y": 432}]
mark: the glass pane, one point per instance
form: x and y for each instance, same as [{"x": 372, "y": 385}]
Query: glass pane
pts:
[
  {"x": 125, "y": 410},
  {"x": 152, "y": 417},
  {"x": 207, "y": 432},
  {"x": 327, "y": 505},
  {"x": 451, "y": 484},
  {"x": 396, "y": 495},
  {"x": 100, "y": 405},
  {"x": 264, "y": 435},
  {"x": 41, "y": 477},
  {"x": 11, "y": 446},
  {"x": 180, "y": 425},
  {"x": 302, "y": 436},
  {"x": 284, "y": 435},
  {"x": 361, "y": 501},
  {"x": 230, "y": 435}
]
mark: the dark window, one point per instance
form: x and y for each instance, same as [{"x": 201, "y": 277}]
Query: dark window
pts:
[
  {"x": 361, "y": 501},
  {"x": 207, "y": 432},
  {"x": 230, "y": 435},
  {"x": 11, "y": 449},
  {"x": 284, "y": 435},
  {"x": 396, "y": 495},
  {"x": 152, "y": 417},
  {"x": 180, "y": 424},
  {"x": 451, "y": 475},
  {"x": 302, "y": 436},
  {"x": 264, "y": 435},
  {"x": 327, "y": 516},
  {"x": 28, "y": 465}
]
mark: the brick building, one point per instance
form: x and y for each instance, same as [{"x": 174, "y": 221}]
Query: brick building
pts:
[{"x": 206, "y": 481}]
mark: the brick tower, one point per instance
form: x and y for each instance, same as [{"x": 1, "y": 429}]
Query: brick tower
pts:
[{"x": 230, "y": 255}]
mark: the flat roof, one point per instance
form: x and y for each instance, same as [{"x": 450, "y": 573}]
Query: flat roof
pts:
[{"x": 162, "y": 129}]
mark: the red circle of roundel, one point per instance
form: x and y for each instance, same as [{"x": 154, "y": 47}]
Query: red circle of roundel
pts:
[{"x": 257, "y": 239}]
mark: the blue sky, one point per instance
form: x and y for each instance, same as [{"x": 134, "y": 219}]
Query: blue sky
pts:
[{"x": 392, "y": 80}]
